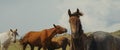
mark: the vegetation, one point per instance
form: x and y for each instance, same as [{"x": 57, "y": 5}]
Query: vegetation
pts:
[
  {"x": 117, "y": 33},
  {"x": 16, "y": 46}
]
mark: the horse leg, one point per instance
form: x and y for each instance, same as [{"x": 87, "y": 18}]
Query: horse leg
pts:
[
  {"x": 51, "y": 49},
  {"x": 32, "y": 47},
  {"x": 39, "y": 48},
  {"x": 24, "y": 46},
  {"x": 44, "y": 48},
  {"x": 64, "y": 47},
  {"x": 2, "y": 47},
  {"x": 6, "y": 47}
]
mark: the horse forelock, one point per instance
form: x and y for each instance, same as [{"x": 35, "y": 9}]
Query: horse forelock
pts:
[
  {"x": 50, "y": 29},
  {"x": 14, "y": 32}
]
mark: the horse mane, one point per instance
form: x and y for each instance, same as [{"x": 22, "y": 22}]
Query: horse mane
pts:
[{"x": 49, "y": 29}]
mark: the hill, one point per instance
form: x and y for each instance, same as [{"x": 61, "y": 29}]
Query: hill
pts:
[{"x": 116, "y": 33}]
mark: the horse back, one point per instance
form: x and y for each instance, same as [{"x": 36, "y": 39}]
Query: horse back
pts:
[
  {"x": 61, "y": 40},
  {"x": 33, "y": 37},
  {"x": 102, "y": 41}
]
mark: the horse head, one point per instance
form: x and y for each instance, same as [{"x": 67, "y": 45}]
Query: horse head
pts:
[
  {"x": 13, "y": 34},
  {"x": 59, "y": 29},
  {"x": 74, "y": 21}
]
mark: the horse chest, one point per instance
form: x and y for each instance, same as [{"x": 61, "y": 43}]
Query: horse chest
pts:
[{"x": 4, "y": 38}]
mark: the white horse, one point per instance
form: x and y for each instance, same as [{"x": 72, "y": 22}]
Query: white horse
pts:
[{"x": 7, "y": 37}]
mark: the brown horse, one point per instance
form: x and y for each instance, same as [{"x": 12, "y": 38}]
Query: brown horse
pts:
[
  {"x": 41, "y": 38},
  {"x": 59, "y": 42},
  {"x": 78, "y": 37}
]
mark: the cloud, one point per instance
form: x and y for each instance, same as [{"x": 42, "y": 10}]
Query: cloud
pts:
[{"x": 99, "y": 15}]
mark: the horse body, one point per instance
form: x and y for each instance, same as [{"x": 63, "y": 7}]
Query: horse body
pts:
[
  {"x": 6, "y": 38},
  {"x": 103, "y": 41},
  {"x": 41, "y": 38},
  {"x": 28, "y": 38},
  {"x": 59, "y": 42}
]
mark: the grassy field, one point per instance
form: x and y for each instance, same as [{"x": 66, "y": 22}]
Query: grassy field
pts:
[{"x": 16, "y": 46}]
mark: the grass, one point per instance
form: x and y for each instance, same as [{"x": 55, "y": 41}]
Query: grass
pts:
[{"x": 16, "y": 46}]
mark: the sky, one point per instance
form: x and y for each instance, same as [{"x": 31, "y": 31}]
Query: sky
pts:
[{"x": 36, "y": 15}]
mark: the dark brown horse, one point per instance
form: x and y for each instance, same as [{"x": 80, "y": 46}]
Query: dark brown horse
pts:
[
  {"x": 59, "y": 42},
  {"x": 41, "y": 38},
  {"x": 78, "y": 37},
  {"x": 98, "y": 40}
]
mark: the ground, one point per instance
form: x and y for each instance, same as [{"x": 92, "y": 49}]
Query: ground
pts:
[{"x": 16, "y": 46}]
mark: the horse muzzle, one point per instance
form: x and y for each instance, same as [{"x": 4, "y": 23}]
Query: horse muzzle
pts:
[{"x": 65, "y": 30}]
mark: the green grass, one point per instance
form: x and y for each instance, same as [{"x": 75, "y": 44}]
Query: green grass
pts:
[{"x": 16, "y": 46}]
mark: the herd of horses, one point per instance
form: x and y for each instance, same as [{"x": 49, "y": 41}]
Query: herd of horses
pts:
[{"x": 46, "y": 39}]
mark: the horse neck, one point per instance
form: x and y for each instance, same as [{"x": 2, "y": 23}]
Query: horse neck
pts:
[
  {"x": 79, "y": 28},
  {"x": 6, "y": 35},
  {"x": 9, "y": 34},
  {"x": 52, "y": 33}
]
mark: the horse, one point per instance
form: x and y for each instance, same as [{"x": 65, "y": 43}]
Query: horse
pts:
[
  {"x": 101, "y": 40},
  {"x": 59, "y": 42},
  {"x": 98, "y": 40},
  {"x": 7, "y": 37},
  {"x": 78, "y": 38},
  {"x": 41, "y": 38}
]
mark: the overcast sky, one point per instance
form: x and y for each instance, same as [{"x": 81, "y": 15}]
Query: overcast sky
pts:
[{"x": 27, "y": 15}]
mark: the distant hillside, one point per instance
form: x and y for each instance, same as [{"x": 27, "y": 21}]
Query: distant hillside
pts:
[
  {"x": 116, "y": 33},
  {"x": 88, "y": 33}
]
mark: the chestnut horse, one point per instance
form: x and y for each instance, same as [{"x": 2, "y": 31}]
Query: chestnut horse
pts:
[
  {"x": 41, "y": 38},
  {"x": 78, "y": 38},
  {"x": 59, "y": 42}
]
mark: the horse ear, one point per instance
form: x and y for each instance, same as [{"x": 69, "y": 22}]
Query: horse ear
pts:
[
  {"x": 77, "y": 10},
  {"x": 15, "y": 29},
  {"x": 54, "y": 25},
  {"x": 11, "y": 30},
  {"x": 81, "y": 14},
  {"x": 69, "y": 12}
]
